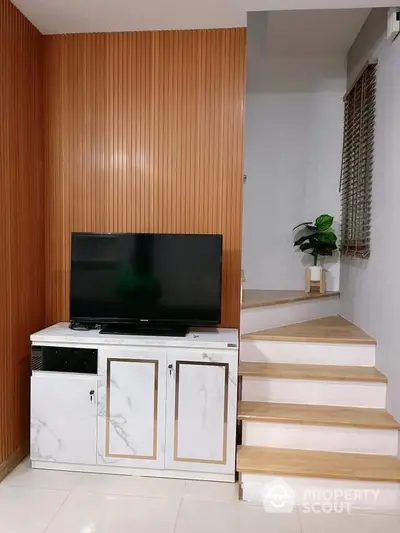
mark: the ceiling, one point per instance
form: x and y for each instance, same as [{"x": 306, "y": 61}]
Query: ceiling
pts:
[{"x": 77, "y": 16}]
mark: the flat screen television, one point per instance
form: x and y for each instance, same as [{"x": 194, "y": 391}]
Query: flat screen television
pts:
[{"x": 148, "y": 279}]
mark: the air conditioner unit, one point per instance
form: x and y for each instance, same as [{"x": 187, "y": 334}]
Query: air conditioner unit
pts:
[{"x": 393, "y": 25}]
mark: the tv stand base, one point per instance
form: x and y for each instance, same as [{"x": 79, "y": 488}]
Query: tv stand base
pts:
[
  {"x": 144, "y": 329},
  {"x": 133, "y": 471}
]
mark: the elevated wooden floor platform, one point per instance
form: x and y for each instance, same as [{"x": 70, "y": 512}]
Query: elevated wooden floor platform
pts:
[{"x": 261, "y": 298}]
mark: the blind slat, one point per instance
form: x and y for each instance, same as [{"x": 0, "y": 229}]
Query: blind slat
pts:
[{"x": 357, "y": 165}]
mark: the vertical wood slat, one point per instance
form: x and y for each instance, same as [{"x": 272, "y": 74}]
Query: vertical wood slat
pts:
[
  {"x": 21, "y": 222},
  {"x": 143, "y": 133}
]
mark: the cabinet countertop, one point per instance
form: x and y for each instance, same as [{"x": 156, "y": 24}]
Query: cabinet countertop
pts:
[{"x": 220, "y": 338}]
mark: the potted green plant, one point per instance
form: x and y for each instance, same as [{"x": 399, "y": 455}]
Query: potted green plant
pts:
[{"x": 317, "y": 239}]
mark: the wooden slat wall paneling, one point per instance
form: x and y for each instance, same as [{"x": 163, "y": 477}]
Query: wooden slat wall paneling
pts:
[
  {"x": 143, "y": 133},
  {"x": 21, "y": 224}
]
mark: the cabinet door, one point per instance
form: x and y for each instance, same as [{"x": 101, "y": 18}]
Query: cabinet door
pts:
[
  {"x": 132, "y": 407},
  {"x": 63, "y": 418},
  {"x": 201, "y": 411}
]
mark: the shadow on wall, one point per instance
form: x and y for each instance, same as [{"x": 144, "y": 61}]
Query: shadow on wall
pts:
[
  {"x": 293, "y": 135},
  {"x": 281, "y": 57},
  {"x": 294, "y": 75}
]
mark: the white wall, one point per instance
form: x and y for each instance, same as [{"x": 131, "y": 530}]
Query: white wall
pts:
[
  {"x": 370, "y": 289},
  {"x": 294, "y": 120}
]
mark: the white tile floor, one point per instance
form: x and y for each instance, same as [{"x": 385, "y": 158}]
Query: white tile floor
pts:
[{"x": 38, "y": 501}]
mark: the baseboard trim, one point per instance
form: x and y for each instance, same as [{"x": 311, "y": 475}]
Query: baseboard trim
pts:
[
  {"x": 129, "y": 471},
  {"x": 13, "y": 460}
]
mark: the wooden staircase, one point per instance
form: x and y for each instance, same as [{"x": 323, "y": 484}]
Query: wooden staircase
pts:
[{"x": 312, "y": 411}]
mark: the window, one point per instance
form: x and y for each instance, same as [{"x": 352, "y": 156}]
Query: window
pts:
[{"x": 357, "y": 164}]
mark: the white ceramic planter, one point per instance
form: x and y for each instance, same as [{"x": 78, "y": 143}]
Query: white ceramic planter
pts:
[{"x": 315, "y": 273}]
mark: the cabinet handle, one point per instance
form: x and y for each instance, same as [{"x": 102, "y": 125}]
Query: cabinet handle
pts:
[
  {"x": 91, "y": 394},
  {"x": 171, "y": 369}
]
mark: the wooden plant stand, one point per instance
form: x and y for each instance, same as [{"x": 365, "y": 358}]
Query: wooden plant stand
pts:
[{"x": 315, "y": 286}]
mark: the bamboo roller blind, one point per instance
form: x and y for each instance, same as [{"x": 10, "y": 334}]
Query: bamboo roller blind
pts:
[{"x": 357, "y": 164}]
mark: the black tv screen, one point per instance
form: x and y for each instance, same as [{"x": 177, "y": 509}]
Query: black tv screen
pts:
[{"x": 132, "y": 278}]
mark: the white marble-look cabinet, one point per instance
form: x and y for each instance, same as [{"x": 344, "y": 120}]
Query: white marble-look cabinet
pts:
[
  {"x": 201, "y": 411},
  {"x": 131, "y": 407},
  {"x": 157, "y": 406},
  {"x": 63, "y": 418}
]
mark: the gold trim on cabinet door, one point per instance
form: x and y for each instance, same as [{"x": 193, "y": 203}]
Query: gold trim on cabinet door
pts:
[
  {"x": 176, "y": 424},
  {"x": 155, "y": 417}
]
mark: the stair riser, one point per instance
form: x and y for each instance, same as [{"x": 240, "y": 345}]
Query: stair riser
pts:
[
  {"x": 258, "y": 318},
  {"x": 388, "y": 498},
  {"x": 307, "y": 353},
  {"x": 320, "y": 438},
  {"x": 341, "y": 393}
]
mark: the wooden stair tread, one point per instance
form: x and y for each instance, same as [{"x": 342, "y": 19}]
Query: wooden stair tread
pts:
[
  {"x": 314, "y": 372},
  {"x": 318, "y": 415},
  {"x": 331, "y": 329},
  {"x": 315, "y": 464},
  {"x": 263, "y": 298}
]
